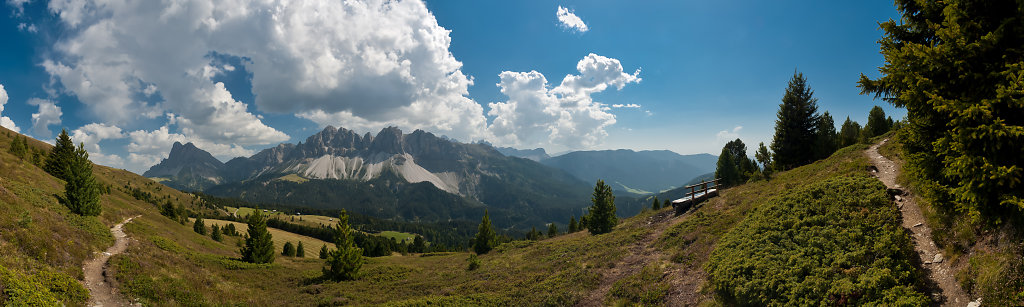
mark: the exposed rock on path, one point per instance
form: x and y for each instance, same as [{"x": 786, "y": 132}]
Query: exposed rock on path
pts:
[
  {"x": 100, "y": 291},
  {"x": 939, "y": 272}
]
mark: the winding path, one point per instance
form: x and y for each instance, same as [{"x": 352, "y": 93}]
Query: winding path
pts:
[
  {"x": 100, "y": 291},
  {"x": 945, "y": 289}
]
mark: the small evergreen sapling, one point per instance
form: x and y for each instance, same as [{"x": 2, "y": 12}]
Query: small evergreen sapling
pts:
[
  {"x": 199, "y": 226},
  {"x": 323, "y": 252},
  {"x": 215, "y": 233},
  {"x": 289, "y": 250},
  {"x": 300, "y": 251},
  {"x": 259, "y": 244},
  {"x": 344, "y": 262},
  {"x": 485, "y": 236}
]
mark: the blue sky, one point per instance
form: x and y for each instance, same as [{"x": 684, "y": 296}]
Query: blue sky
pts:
[{"x": 130, "y": 79}]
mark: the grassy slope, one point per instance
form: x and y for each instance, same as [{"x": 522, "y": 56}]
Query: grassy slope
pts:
[{"x": 42, "y": 241}]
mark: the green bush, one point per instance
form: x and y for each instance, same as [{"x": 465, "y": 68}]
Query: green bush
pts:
[
  {"x": 474, "y": 262},
  {"x": 836, "y": 242}
]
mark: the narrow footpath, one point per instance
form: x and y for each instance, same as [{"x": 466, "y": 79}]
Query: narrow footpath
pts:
[
  {"x": 100, "y": 291},
  {"x": 640, "y": 254},
  {"x": 945, "y": 289}
]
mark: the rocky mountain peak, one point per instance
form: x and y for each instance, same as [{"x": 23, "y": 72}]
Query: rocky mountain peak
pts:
[{"x": 388, "y": 140}]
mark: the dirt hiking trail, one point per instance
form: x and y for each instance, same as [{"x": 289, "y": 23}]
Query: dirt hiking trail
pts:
[
  {"x": 641, "y": 253},
  {"x": 940, "y": 274},
  {"x": 100, "y": 291}
]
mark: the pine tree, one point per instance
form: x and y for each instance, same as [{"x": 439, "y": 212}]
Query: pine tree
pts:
[
  {"x": 419, "y": 245},
  {"x": 796, "y": 126},
  {"x": 764, "y": 157},
  {"x": 877, "y": 124},
  {"x": 485, "y": 236},
  {"x": 572, "y": 225},
  {"x": 849, "y": 133},
  {"x": 199, "y": 227},
  {"x": 300, "y": 250},
  {"x": 215, "y": 233},
  {"x": 552, "y": 230},
  {"x": 826, "y": 143},
  {"x": 734, "y": 167},
  {"x": 288, "y": 250},
  {"x": 533, "y": 235},
  {"x": 323, "y": 252},
  {"x": 957, "y": 67},
  {"x": 259, "y": 244},
  {"x": 344, "y": 262},
  {"x": 602, "y": 214},
  {"x": 60, "y": 157},
  {"x": 81, "y": 193},
  {"x": 18, "y": 148},
  {"x": 229, "y": 229},
  {"x": 583, "y": 223},
  {"x": 655, "y": 205}
]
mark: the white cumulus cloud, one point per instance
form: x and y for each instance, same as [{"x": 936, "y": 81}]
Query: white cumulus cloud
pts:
[
  {"x": 569, "y": 20},
  {"x": 49, "y": 114},
  {"x": 628, "y": 106},
  {"x": 5, "y": 121},
  {"x": 566, "y": 115}
]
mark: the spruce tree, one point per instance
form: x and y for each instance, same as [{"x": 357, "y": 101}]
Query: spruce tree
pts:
[
  {"x": 602, "y": 214},
  {"x": 323, "y": 252},
  {"x": 18, "y": 148},
  {"x": 215, "y": 233},
  {"x": 259, "y": 244},
  {"x": 572, "y": 224},
  {"x": 877, "y": 123},
  {"x": 827, "y": 137},
  {"x": 956, "y": 67},
  {"x": 764, "y": 157},
  {"x": 81, "y": 193},
  {"x": 486, "y": 238},
  {"x": 655, "y": 205},
  {"x": 229, "y": 229},
  {"x": 849, "y": 133},
  {"x": 199, "y": 227},
  {"x": 60, "y": 157},
  {"x": 552, "y": 230},
  {"x": 344, "y": 262},
  {"x": 796, "y": 126},
  {"x": 288, "y": 250},
  {"x": 533, "y": 235},
  {"x": 734, "y": 167},
  {"x": 300, "y": 250}
]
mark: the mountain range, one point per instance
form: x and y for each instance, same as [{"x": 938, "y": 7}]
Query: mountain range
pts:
[{"x": 423, "y": 177}]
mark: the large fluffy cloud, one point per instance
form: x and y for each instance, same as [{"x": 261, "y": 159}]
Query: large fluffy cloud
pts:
[
  {"x": 373, "y": 60},
  {"x": 5, "y": 121},
  {"x": 566, "y": 115}
]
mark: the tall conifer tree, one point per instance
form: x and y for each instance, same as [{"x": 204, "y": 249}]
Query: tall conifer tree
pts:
[
  {"x": 259, "y": 245},
  {"x": 485, "y": 236},
  {"x": 796, "y": 126},
  {"x": 344, "y": 262},
  {"x": 81, "y": 191},
  {"x": 60, "y": 157},
  {"x": 601, "y": 218}
]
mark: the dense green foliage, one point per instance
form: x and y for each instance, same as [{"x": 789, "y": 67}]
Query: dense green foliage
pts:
[
  {"x": 734, "y": 167},
  {"x": 418, "y": 245},
  {"x": 486, "y": 238},
  {"x": 836, "y": 242},
  {"x": 324, "y": 252},
  {"x": 259, "y": 244},
  {"x": 344, "y": 262},
  {"x": 62, "y": 155},
  {"x": 601, "y": 217},
  {"x": 958, "y": 69},
  {"x": 300, "y": 250},
  {"x": 877, "y": 124},
  {"x": 796, "y": 126},
  {"x": 19, "y": 146},
  {"x": 552, "y": 230},
  {"x": 827, "y": 139},
  {"x": 764, "y": 157},
  {"x": 81, "y": 192},
  {"x": 215, "y": 233},
  {"x": 288, "y": 250},
  {"x": 199, "y": 226},
  {"x": 849, "y": 134},
  {"x": 655, "y": 205},
  {"x": 572, "y": 225}
]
